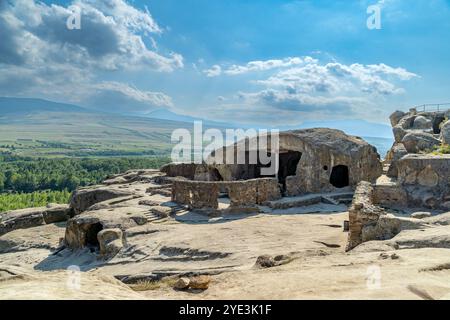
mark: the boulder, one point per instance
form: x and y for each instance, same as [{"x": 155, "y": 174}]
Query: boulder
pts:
[
  {"x": 420, "y": 122},
  {"x": 445, "y": 133},
  {"x": 200, "y": 282},
  {"x": 416, "y": 142},
  {"x": 182, "y": 283},
  {"x": 110, "y": 242},
  {"x": 395, "y": 117},
  {"x": 56, "y": 213}
]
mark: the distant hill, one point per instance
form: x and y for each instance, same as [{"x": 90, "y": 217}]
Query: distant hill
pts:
[
  {"x": 41, "y": 127},
  {"x": 28, "y": 105},
  {"x": 165, "y": 114}
]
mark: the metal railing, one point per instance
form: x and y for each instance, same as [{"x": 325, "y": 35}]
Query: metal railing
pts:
[{"x": 433, "y": 107}]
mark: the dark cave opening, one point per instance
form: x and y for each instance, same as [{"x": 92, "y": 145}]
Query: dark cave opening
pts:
[
  {"x": 288, "y": 162},
  {"x": 340, "y": 176},
  {"x": 91, "y": 234}
]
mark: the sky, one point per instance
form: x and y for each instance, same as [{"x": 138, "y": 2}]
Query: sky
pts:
[{"x": 265, "y": 62}]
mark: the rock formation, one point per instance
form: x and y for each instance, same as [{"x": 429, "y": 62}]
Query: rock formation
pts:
[{"x": 311, "y": 160}]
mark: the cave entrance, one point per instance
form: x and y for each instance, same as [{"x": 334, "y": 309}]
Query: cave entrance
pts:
[
  {"x": 340, "y": 176},
  {"x": 288, "y": 162},
  {"x": 437, "y": 124},
  {"x": 91, "y": 234}
]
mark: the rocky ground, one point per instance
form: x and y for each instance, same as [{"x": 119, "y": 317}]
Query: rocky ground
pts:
[{"x": 130, "y": 242}]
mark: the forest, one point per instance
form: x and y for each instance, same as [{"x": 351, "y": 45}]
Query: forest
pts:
[{"x": 30, "y": 182}]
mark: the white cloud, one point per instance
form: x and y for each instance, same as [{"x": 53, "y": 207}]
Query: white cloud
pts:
[
  {"x": 255, "y": 66},
  {"x": 332, "y": 78},
  {"x": 40, "y": 56},
  {"x": 111, "y": 35},
  {"x": 309, "y": 88}
]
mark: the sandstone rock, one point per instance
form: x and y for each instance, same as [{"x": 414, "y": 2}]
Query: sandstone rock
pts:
[
  {"x": 161, "y": 211},
  {"x": 445, "y": 132},
  {"x": 200, "y": 282},
  {"x": 265, "y": 261},
  {"x": 42, "y": 237},
  {"x": 56, "y": 213},
  {"x": 395, "y": 117},
  {"x": 84, "y": 198},
  {"x": 436, "y": 237},
  {"x": 150, "y": 203},
  {"x": 21, "y": 283},
  {"x": 416, "y": 142},
  {"x": 27, "y": 218},
  {"x": 421, "y": 215},
  {"x": 399, "y": 133},
  {"x": 82, "y": 230},
  {"x": 110, "y": 241},
  {"x": 420, "y": 122},
  {"x": 388, "y": 226},
  {"x": 397, "y": 151},
  {"x": 142, "y": 175},
  {"x": 428, "y": 177},
  {"x": 310, "y": 160},
  {"x": 425, "y": 178},
  {"x": 186, "y": 170},
  {"x": 182, "y": 283}
]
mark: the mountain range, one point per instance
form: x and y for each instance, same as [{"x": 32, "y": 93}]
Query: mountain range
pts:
[{"x": 28, "y": 118}]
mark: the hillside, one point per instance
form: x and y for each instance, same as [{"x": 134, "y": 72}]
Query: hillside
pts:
[
  {"x": 27, "y": 106},
  {"x": 33, "y": 127}
]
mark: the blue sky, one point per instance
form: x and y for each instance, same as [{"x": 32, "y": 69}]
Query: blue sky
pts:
[{"x": 268, "y": 62}]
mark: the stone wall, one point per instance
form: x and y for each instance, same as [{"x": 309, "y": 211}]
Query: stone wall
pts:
[
  {"x": 369, "y": 221},
  {"x": 362, "y": 214},
  {"x": 205, "y": 194},
  {"x": 390, "y": 195}
]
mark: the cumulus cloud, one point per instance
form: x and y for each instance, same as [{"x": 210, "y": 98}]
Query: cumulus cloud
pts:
[
  {"x": 258, "y": 65},
  {"x": 338, "y": 78},
  {"x": 111, "y": 35},
  {"x": 306, "y": 87},
  {"x": 37, "y": 45}
]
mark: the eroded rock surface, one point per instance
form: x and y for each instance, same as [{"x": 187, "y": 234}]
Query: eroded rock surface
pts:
[
  {"x": 32, "y": 217},
  {"x": 147, "y": 237}
]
